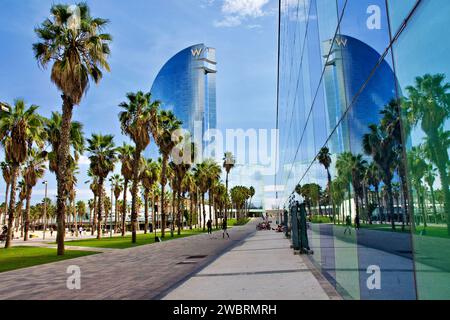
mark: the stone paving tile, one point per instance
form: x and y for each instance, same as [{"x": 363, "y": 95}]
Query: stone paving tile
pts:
[
  {"x": 262, "y": 267},
  {"x": 144, "y": 272}
]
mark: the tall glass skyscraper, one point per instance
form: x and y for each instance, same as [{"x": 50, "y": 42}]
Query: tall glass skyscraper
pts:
[
  {"x": 370, "y": 81},
  {"x": 186, "y": 85}
]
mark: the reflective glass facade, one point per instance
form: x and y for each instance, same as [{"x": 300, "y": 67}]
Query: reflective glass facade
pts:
[
  {"x": 370, "y": 81},
  {"x": 187, "y": 85}
]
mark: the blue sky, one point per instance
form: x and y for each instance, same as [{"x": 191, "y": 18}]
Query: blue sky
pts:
[{"x": 147, "y": 33}]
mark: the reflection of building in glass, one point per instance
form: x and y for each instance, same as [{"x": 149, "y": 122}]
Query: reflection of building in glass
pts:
[
  {"x": 350, "y": 64},
  {"x": 186, "y": 85},
  {"x": 330, "y": 91}
]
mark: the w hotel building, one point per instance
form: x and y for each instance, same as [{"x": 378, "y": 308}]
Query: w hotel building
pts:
[
  {"x": 369, "y": 82},
  {"x": 186, "y": 85}
]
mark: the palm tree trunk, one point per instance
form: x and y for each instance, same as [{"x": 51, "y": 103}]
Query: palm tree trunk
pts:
[
  {"x": 6, "y": 203},
  {"x": 146, "y": 211},
  {"x": 134, "y": 194},
  {"x": 116, "y": 214},
  {"x": 163, "y": 185},
  {"x": 12, "y": 207},
  {"x": 27, "y": 214},
  {"x": 179, "y": 208},
  {"x": 210, "y": 202},
  {"x": 61, "y": 176},
  {"x": 99, "y": 210},
  {"x": 124, "y": 208},
  {"x": 172, "y": 224},
  {"x": 204, "y": 212},
  {"x": 226, "y": 203},
  {"x": 153, "y": 210},
  {"x": 191, "y": 212},
  {"x": 94, "y": 216},
  {"x": 75, "y": 217}
]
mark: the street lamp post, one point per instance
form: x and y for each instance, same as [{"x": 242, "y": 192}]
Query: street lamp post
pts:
[{"x": 45, "y": 207}]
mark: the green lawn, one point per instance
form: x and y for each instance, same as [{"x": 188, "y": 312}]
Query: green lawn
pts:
[
  {"x": 125, "y": 242},
  {"x": 23, "y": 257},
  {"x": 234, "y": 222},
  {"x": 431, "y": 231}
]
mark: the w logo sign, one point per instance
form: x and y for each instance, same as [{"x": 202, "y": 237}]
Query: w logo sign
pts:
[
  {"x": 341, "y": 42},
  {"x": 196, "y": 52}
]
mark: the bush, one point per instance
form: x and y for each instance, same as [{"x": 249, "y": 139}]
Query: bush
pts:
[{"x": 320, "y": 219}]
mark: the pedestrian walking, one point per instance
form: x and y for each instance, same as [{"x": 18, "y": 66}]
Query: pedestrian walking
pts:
[
  {"x": 81, "y": 231},
  {"x": 357, "y": 223},
  {"x": 209, "y": 226},
  {"x": 51, "y": 231},
  {"x": 348, "y": 225},
  {"x": 224, "y": 229}
]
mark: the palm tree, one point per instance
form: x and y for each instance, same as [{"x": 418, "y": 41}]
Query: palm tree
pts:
[
  {"x": 136, "y": 120},
  {"x": 185, "y": 154},
  {"x": 213, "y": 172},
  {"x": 117, "y": 186},
  {"x": 344, "y": 173},
  {"x": 149, "y": 177},
  {"x": 228, "y": 163},
  {"x": 6, "y": 172},
  {"x": 190, "y": 187},
  {"x": 126, "y": 153},
  {"x": 81, "y": 210},
  {"x": 251, "y": 194},
  {"x": 162, "y": 128},
  {"x": 102, "y": 157},
  {"x": 201, "y": 178},
  {"x": 53, "y": 127},
  {"x": 72, "y": 171},
  {"x": 78, "y": 53},
  {"x": 382, "y": 147},
  {"x": 95, "y": 189},
  {"x": 22, "y": 188},
  {"x": 34, "y": 170},
  {"x": 91, "y": 209},
  {"x": 19, "y": 128},
  {"x": 324, "y": 158},
  {"x": 429, "y": 104}
]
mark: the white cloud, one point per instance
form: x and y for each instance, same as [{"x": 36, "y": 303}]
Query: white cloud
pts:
[
  {"x": 254, "y": 26},
  {"x": 236, "y": 11},
  {"x": 229, "y": 21},
  {"x": 243, "y": 8}
]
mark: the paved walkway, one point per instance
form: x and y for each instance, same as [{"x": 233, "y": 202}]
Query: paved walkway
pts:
[
  {"x": 145, "y": 272},
  {"x": 262, "y": 267}
]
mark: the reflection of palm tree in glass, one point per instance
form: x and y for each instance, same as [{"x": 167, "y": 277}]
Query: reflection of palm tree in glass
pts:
[
  {"x": 418, "y": 167},
  {"x": 393, "y": 127},
  {"x": 380, "y": 145},
  {"x": 338, "y": 194},
  {"x": 352, "y": 168},
  {"x": 344, "y": 169},
  {"x": 430, "y": 177},
  {"x": 324, "y": 159},
  {"x": 374, "y": 180},
  {"x": 429, "y": 105}
]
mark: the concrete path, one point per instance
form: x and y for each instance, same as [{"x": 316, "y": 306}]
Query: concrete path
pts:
[
  {"x": 145, "y": 272},
  {"x": 262, "y": 267}
]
